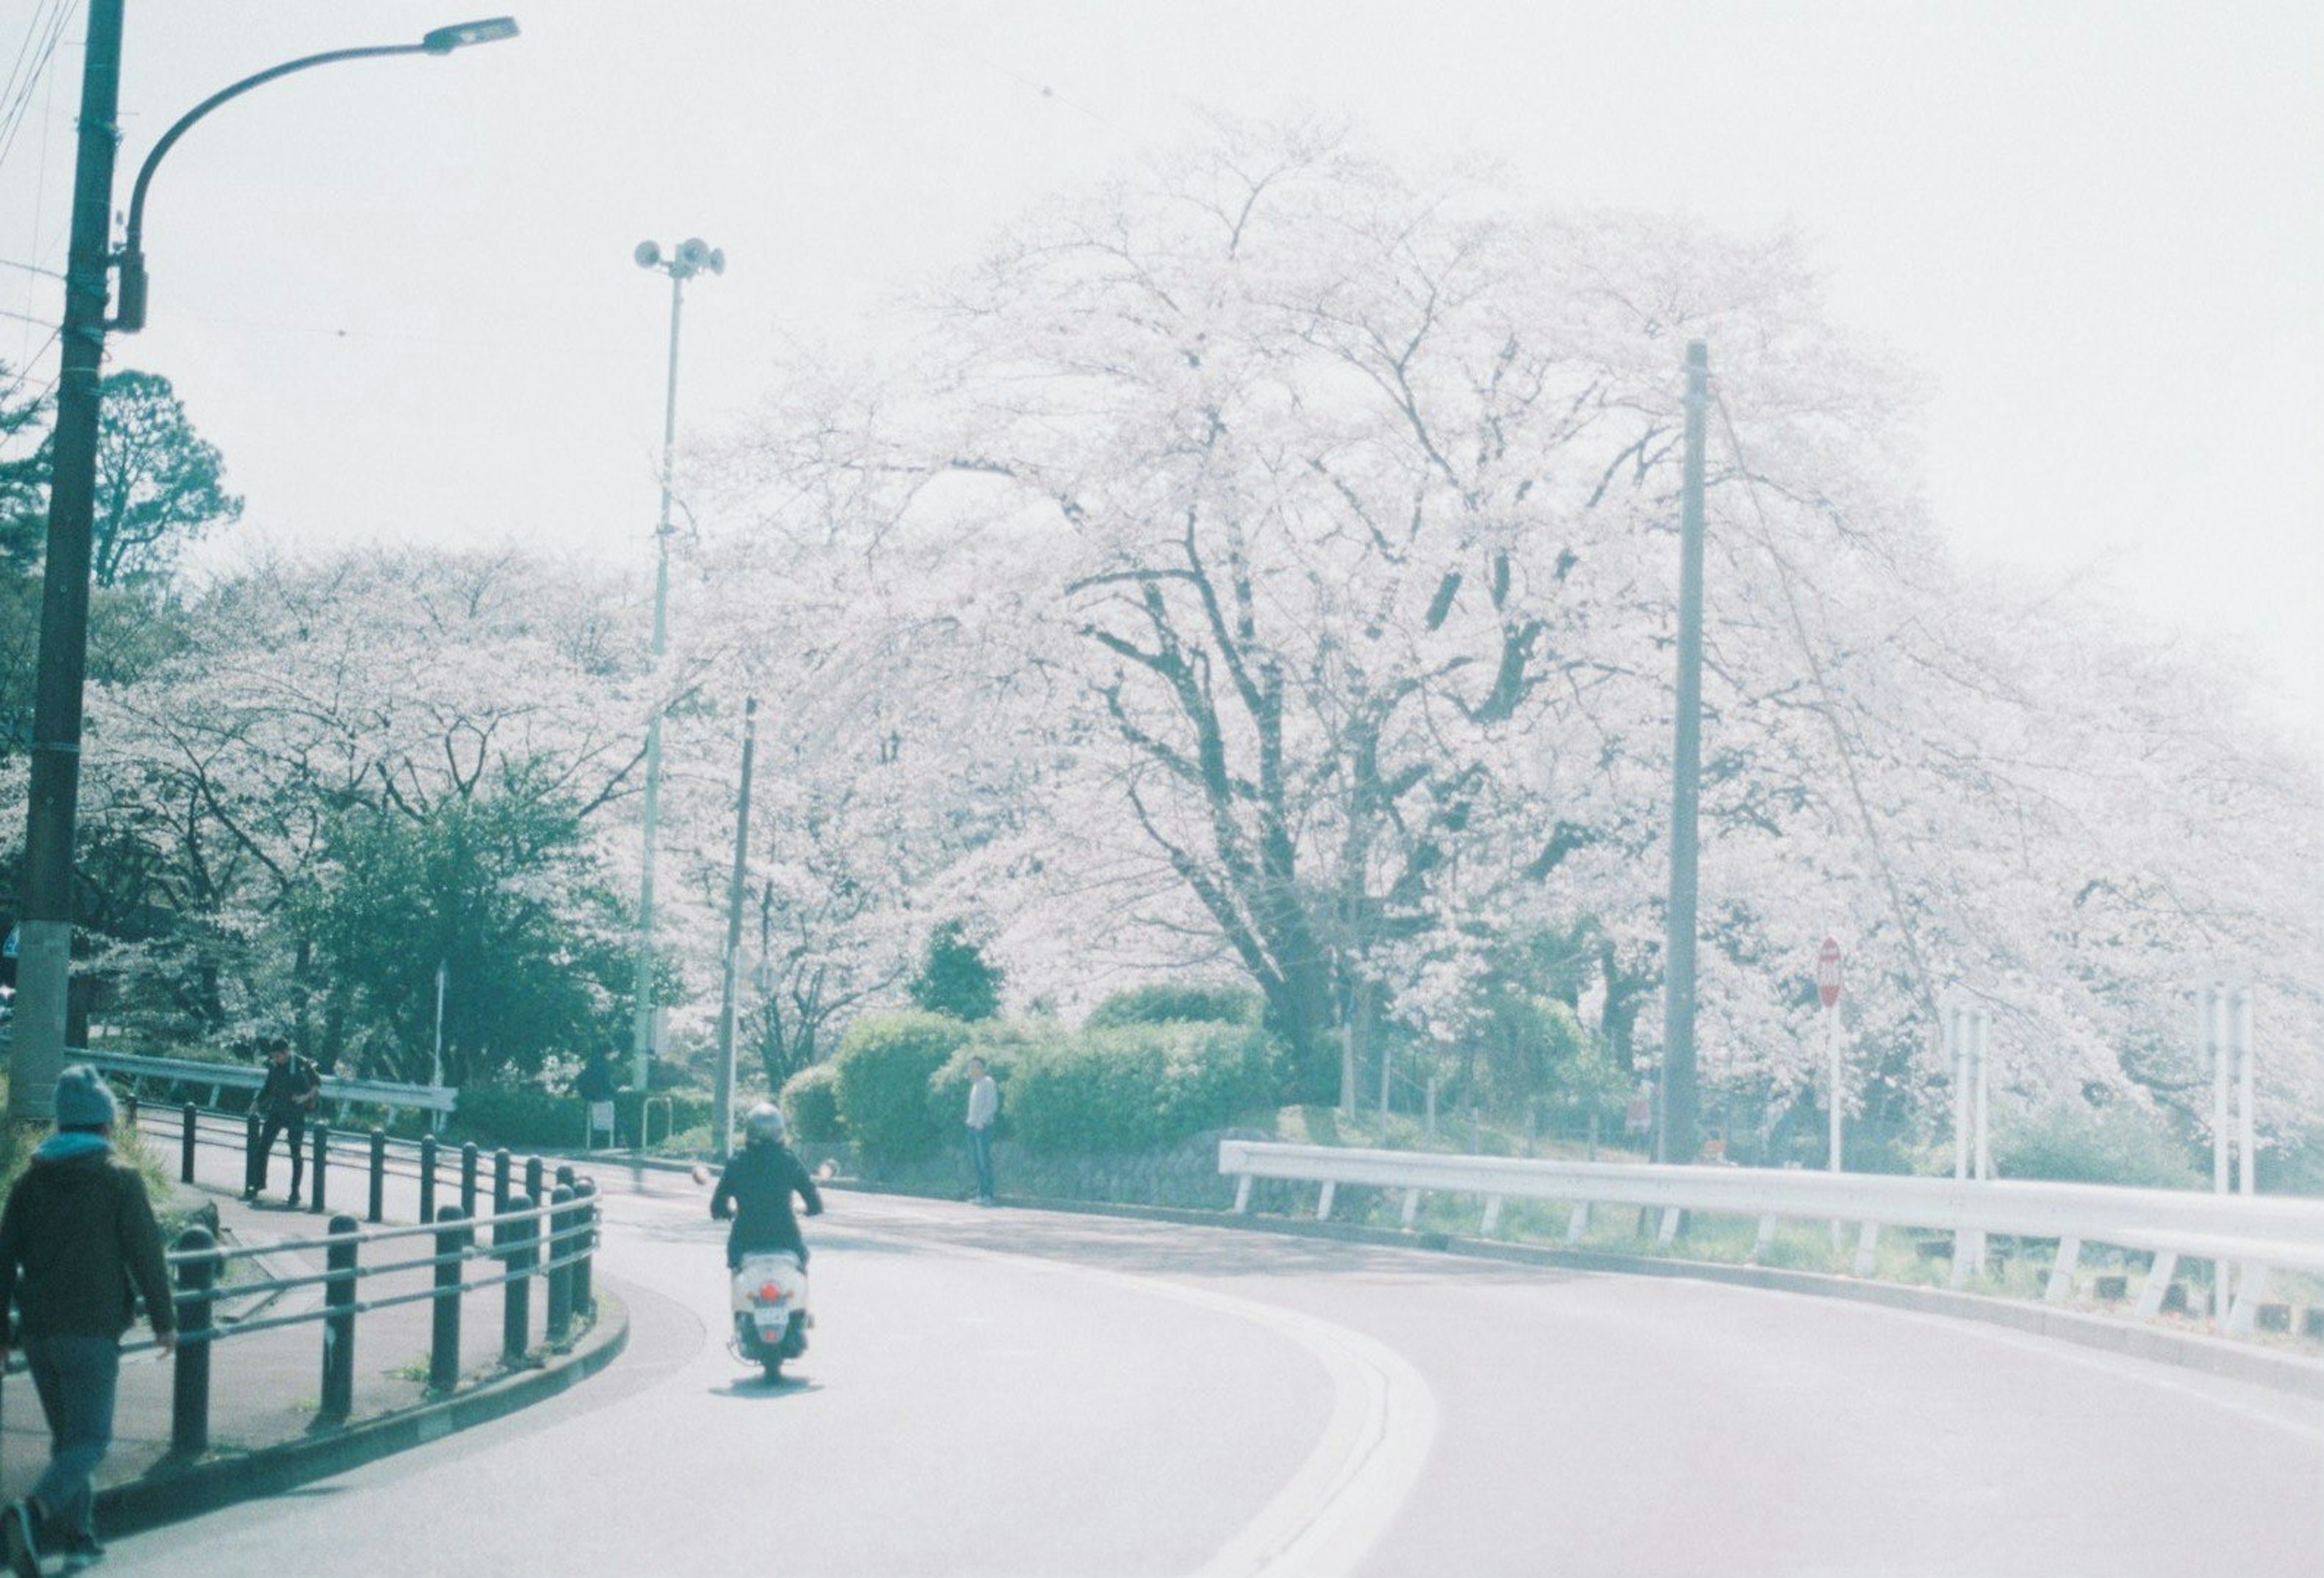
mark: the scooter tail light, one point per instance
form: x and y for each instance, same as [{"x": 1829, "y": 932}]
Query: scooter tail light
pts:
[{"x": 771, "y": 1294}]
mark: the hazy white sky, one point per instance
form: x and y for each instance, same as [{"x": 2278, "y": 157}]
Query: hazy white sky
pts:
[{"x": 399, "y": 294}]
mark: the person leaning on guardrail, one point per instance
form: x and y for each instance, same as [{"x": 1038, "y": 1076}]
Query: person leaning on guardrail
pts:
[{"x": 78, "y": 1228}]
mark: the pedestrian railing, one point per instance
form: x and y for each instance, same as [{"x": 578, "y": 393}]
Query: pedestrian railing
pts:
[
  {"x": 2260, "y": 1234},
  {"x": 440, "y": 1170},
  {"x": 552, "y": 1242}
]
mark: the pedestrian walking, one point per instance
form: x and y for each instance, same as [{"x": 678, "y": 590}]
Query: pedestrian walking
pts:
[
  {"x": 983, "y": 1107},
  {"x": 77, "y": 1236},
  {"x": 596, "y": 1086},
  {"x": 292, "y": 1090}
]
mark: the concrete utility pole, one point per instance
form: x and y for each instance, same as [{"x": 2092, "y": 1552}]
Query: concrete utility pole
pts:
[
  {"x": 1676, "y": 1141},
  {"x": 722, "y": 1114},
  {"x": 45, "y": 897},
  {"x": 693, "y": 256}
]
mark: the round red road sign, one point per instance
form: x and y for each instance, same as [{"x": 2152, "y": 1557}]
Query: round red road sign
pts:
[{"x": 1828, "y": 972}]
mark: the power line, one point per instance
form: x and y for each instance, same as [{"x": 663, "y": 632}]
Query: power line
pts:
[{"x": 22, "y": 81}]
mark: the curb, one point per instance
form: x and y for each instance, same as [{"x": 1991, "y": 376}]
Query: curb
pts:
[
  {"x": 168, "y": 1492},
  {"x": 2215, "y": 1356}
]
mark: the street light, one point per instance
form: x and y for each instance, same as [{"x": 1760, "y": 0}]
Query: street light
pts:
[
  {"x": 693, "y": 255},
  {"x": 130, "y": 315},
  {"x": 44, "y": 904}
]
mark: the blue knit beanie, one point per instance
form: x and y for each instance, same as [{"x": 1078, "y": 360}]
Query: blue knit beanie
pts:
[{"x": 83, "y": 1098}]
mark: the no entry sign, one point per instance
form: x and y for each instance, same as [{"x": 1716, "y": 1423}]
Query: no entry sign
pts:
[{"x": 1828, "y": 973}]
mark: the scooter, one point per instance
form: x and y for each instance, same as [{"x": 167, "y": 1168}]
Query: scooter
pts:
[{"x": 772, "y": 1318}]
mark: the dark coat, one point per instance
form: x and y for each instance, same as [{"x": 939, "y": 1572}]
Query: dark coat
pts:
[
  {"x": 289, "y": 1090},
  {"x": 756, "y": 1189},
  {"x": 82, "y": 1232}
]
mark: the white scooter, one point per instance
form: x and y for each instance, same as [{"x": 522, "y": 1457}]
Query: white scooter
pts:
[{"x": 771, "y": 1315}]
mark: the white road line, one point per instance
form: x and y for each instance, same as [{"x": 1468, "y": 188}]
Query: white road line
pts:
[{"x": 1334, "y": 1508}]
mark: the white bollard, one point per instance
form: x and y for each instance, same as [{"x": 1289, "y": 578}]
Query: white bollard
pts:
[
  {"x": 2251, "y": 1287},
  {"x": 2158, "y": 1282},
  {"x": 1766, "y": 1240},
  {"x": 1577, "y": 1224},
  {"x": 1669, "y": 1234},
  {"x": 1867, "y": 1243},
  {"x": 1492, "y": 1222},
  {"x": 1324, "y": 1202},
  {"x": 1242, "y": 1195},
  {"x": 2061, "y": 1271},
  {"x": 1411, "y": 1207}
]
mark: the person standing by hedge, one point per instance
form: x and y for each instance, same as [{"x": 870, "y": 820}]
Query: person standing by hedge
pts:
[
  {"x": 77, "y": 1234},
  {"x": 983, "y": 1107}
]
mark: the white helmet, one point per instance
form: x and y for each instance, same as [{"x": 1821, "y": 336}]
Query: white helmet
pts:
[{"x": 765, "y": 1122}]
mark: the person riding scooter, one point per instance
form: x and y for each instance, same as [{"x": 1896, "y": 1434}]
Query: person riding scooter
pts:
[{"x": 756, "y": 1189}]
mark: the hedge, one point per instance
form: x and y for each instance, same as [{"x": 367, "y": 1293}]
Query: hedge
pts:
[
  {"x": 810, "y": 1102},
  {"x": 1171, "y": 1002},
  {"x": 880, "y": 1082},
  {"x": 1140, "y": 1086},
  {"x": 525, "y": 1117}
]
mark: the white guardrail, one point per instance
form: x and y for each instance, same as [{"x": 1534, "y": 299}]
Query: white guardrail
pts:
[
  {"x": 2261, "y": 1234},
  {"x": 218, "y": 1076}
]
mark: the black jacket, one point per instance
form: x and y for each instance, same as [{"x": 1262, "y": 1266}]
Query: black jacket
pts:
[
  {"x": 288, "y": 1091},
  {"x": 82, "y": 1232},
  {"x": 756, "y": 1189}
]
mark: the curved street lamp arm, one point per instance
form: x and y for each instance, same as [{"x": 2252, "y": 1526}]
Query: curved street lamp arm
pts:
[{"x": 443, "y": 41}]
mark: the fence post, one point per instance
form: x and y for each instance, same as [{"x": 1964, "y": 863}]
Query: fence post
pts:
[
  {"x": 379, "y": 1175},
  {"x": 186, "y": 1145},
  {"x": 503, "y": 1168},
  {"x": 584, "y": 1297},
  {"x": 339, "y": 1325},
  {"x": 509, "y": 1244},
  {"x": 322, "y": 1168},
  {"x": 250, "y": 1152},
  {"x": 560, "y": 1278},
  {"x": 453, "y": 1237},
  {"x": 189, "y": 1384},
  {"x": 426, "y": 1179},
  {"x": 469, "y": 1154},
  {"x": 534, "y": 1178},
  {"x": 129, "y": 1109}
]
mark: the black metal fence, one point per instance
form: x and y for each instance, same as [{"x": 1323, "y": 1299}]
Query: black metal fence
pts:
[{"x": 536, "y": 1230}]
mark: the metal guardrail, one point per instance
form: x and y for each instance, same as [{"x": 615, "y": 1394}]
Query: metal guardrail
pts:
[
  {"x": 221, "y": 1076},
  {"x": 2261, "y": 1234}
]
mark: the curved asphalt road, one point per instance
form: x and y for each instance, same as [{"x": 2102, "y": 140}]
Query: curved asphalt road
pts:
[{"x": 1005, "y": 1392}]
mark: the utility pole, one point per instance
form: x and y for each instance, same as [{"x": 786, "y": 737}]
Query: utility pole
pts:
[
  {"x": 723, "y": 1113},
  {"x": 45, "y": 897},
  {"x": 1676, "y": 1139}
]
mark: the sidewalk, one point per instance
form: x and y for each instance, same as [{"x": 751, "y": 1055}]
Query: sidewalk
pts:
[{"x": 265, "y": 1387}]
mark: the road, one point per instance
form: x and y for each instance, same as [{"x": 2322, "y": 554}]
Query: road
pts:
[{"x": 1027, "y": 1393}]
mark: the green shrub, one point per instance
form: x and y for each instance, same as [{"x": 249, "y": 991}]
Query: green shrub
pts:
[
  {"x": 810, "y": 1102},
  {"x": 1140, "y": 1086},
  {"x": 2072, "y": 1142},
  {"x": 1169, "y": 1003},
  {"x": 880, "y": 1082},
  {"x": 525, "y": 1117},
  {"x": 521, "y": 1117}
]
